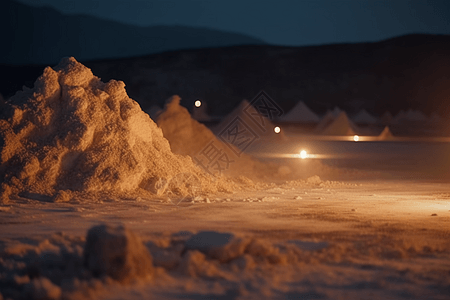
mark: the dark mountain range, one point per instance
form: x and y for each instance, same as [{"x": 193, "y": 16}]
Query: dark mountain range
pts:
[
  {"x": 406, "y": 72},
  {"x": 400, "y": 73},
  {"x": 42, "y": 35}
]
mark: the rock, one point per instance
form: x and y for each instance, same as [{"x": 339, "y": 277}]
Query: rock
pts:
[
  {"x": 42, "y": 289},
  {"x": 314, "y": 180},
  {"x": 221, "y": 246},
  {"x": 117, "y": 252},
  {"x": 194, "y": 264}
]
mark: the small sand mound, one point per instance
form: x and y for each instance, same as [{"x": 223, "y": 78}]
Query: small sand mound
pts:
[
  {"x": 189, "y": 137},
  {"x": 386, "y": 134},
  {"x": 340, "y": 126},
  {"x": 73, "y": 132}
]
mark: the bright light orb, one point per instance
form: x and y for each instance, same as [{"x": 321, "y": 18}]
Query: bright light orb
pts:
[
  {"x": 277, "y": 129},
  {"x": 303, "y": 154},
  {"x": 198, "y": 103},
  {"x": 356, "y": 138}
]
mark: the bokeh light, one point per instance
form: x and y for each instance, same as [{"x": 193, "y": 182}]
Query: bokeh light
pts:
[
  {"x": 198, "y": 103},
  {"x": 277, "y": 129},
  {"x": 303, "y": 154}
]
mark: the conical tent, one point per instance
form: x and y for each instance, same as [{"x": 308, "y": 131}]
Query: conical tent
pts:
[
  {"x": 363, "y": 117},
  {"x": 416, "y": 116},
  {"x": 336, "y": 111},
  {"x": 326, "y": 120},
  {"x": 301, "y": 113},
  {"x": 245, "y": 123},
  {"x": 400, "y": 117},
  {"x": 386, "y": 134},
  {"x": 386, "y": 118},
  {"x": 341, "y": 126},
  {"x": 189, "y": 137}
]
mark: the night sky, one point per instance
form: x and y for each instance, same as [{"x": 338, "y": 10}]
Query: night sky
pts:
[{"x": 295, "y": 23}]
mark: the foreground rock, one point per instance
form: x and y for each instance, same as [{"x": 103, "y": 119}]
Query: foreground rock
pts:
[{"x": 117, "y": 252}]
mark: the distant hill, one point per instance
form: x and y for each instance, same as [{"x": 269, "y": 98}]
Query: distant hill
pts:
[
  {"x": 42, "y": 35},
  {"x": 410, "y": 71},
  {"x": 400, "y": 73}
]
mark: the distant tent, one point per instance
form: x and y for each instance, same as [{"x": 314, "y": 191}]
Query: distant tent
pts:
[
  {"x": 336, "y": 111},
  {"x": 363, "y": 117},
  {"x": 386, "y": 134},
  {"x": 400, "y": 117},
  {"x": 301, "y": 113},
  {"x": 250, "y": 120},
  {"x": 200, "y": 113},
  {"x": 386, "y": 118},
  {"x": 190, "y": 137},
  {"x": 416, "y": 116},
  {"x": 154, "y": 111},
  {"x": 410, "y": 116},
  {"x": 340, "y": 126},
  {"x": 326, "y": 120}
]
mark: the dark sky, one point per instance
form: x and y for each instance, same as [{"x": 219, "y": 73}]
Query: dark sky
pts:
[{"x": 301, "y": 22}]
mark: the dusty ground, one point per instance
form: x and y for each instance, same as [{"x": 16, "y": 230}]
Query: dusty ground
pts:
[{"x": 351, "y": 239}]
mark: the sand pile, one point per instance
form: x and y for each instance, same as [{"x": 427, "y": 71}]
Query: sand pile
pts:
[
  {"x": 189, "y": 137},
  {"x": 340, "y": 126},
  {"x": 246, "y": 123},
  {"x": 386, "y": 134},
  {"x": 72, "y": 132}
]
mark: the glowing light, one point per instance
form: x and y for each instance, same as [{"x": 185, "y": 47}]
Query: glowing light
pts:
[
  {"x": 277, "y": 129},
  {"x": 198, "y": 103},
  {"x": 356, "y": 137},
  {"x": 303, "y": 154}
]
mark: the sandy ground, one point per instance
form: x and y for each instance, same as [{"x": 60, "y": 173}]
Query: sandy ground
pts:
[{"x": 368, "y": 238}]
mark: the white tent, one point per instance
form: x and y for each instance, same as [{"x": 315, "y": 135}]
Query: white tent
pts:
[
  {"x": 341, "y": 126},
  {"x": 326, "y": 120},
  {"x": 336, "y": 111},
  {"x": 386, "y": 118},
  {"x": 251, "y": 121},
  {"x": 416, "y": 116},
  {"x": 410, "y": 116},
  {"x": 363, "y": 117},
  {"x": 301, "y": 113}
]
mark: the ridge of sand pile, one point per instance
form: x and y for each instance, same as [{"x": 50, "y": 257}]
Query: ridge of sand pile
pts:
[
  {"x": 73, "y": 132},
  {"x": 189, "y": 137}
]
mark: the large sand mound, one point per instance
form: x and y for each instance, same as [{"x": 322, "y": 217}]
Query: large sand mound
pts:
[{"x": 73, "y": 132}]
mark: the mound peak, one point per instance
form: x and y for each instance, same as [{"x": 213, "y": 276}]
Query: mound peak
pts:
[{"x": 73, "y": 132}]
